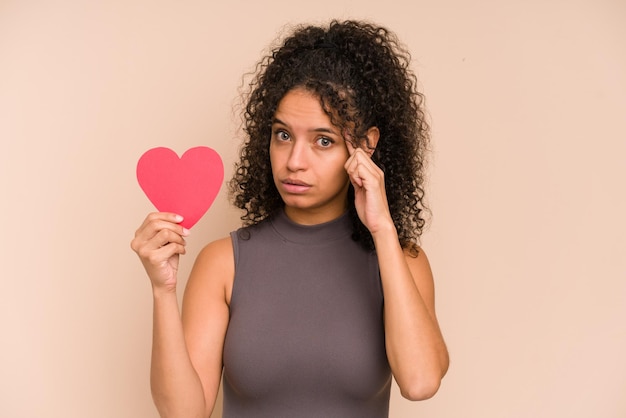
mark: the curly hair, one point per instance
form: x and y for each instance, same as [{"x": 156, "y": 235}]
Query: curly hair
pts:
[{"x": 360, "y": 72}]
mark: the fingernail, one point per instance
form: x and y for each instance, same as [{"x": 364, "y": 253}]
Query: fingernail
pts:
[
  {"x": 185, "y": 232},
  {"x": 178, "y": 218}
]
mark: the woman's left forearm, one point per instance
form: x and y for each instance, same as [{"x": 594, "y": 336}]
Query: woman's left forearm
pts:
[{"x": 415, "y": 347}]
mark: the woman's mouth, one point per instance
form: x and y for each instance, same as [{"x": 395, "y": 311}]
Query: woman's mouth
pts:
[{"x": 295, "y": 186}]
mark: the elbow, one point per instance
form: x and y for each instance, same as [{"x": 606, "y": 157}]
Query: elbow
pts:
[
  {"x": 421, "y": 389},
  {"x": 172, "y": 408},
  {"x": 423, "y": 385}
]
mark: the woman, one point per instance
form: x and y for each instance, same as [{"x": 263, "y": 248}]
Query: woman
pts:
[{"x": 290, "y": 307}]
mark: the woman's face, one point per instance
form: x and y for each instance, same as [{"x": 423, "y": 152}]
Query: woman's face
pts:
[{"x": 307, "y": 153}]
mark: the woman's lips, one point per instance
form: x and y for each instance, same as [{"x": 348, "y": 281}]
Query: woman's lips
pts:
[{"x": 295, "y": 186}]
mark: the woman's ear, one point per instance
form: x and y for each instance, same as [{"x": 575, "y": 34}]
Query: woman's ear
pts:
[{"x": 373, "y": 135}]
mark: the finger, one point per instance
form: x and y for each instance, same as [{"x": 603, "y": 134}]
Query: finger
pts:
[
  {"x": 350, "y": 145},
  {"x": 161, "y": 255},
  {"x": 167, "y": 251},
  {"x": 355, "y": 155},
  {"x": 166, "y": 236},
  {"x": 156, "y": 231},
  {"x": 351, "y": 166},
  {"x": 160, "y": 220},
  {"x": 362, "y": 171},
  {"x": 159, "y": 217},
  {"x": 162, "y": 238},
  {"x": 359, "y": 159},
  {"x": 362, "y": 157},
  {"x": 146, "y": 249},
  {"x": 164, "y": 216}
]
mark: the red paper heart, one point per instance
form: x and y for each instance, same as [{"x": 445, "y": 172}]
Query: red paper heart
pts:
[{"x": 186, "y": 186}]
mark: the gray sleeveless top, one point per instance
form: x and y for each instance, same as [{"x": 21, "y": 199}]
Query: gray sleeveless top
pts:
[{"x": 305, "y": 337}]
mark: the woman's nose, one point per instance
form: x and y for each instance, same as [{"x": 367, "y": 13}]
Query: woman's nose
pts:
[{"x": 297, "y": 156}]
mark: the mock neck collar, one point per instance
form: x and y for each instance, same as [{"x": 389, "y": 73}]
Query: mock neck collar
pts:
[{"x": 311, "y": 234}]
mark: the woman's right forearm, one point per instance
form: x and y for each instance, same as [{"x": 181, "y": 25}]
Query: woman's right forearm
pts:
[{"x": 176, "y": 387}]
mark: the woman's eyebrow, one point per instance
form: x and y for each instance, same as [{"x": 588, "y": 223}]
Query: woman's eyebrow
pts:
[
  {"x": 320, "y": 129},
  {"x": 278, "y": 121},
  {"x": 325, "y": 130}
]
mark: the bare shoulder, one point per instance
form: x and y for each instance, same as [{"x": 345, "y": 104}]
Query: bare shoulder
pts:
[
  {"x": 213, "y": 269},
  {"x": 417, "y": 260},
  {"x": 218, "y": 253}
]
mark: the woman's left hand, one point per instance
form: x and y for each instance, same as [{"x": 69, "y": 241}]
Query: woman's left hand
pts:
[{"x": 370, "y": 198}]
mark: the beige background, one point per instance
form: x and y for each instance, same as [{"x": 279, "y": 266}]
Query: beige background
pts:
[{"x": 527, "y": 100}]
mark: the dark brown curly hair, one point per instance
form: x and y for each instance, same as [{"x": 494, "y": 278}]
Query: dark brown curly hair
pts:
[{"x": 361, "y": 74}]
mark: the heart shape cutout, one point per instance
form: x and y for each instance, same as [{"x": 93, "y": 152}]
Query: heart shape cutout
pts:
[{"x": 186, "y": 186}]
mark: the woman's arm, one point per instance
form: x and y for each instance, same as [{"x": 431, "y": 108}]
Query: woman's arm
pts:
[
  {"x": 182, "y": 383},
  {"x": 415, "y": 347},
  {"x": 176, "y": 386},
  {"x": 206, "y": 314}
]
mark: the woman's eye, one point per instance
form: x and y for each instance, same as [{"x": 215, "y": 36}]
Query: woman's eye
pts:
[
  {"x": 282, "y": 135},
  {"x": 325, "y": 142}
]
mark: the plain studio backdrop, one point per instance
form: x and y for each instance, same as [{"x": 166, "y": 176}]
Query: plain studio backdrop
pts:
[{"x": 527, "y": 101}]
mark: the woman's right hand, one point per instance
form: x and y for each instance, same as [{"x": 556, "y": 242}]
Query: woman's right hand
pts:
[{"x": 158, "y": 242}]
